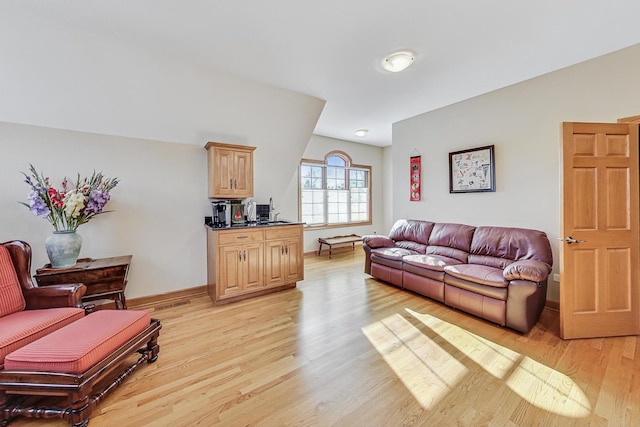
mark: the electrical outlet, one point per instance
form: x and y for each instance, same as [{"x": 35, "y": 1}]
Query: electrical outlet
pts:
[{"x": 556, "y": 277}]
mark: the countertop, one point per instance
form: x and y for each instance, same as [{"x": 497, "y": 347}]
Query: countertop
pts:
[{"x": 253, "y": 225}]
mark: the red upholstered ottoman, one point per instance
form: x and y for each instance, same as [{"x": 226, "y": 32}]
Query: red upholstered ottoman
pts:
[{"x": 73, "y": 359}]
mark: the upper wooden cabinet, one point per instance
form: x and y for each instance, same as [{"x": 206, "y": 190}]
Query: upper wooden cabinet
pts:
[{"x": 230, "y": 170}]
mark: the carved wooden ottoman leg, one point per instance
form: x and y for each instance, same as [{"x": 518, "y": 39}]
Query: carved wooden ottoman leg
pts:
[
  {"x": 152, "y": 349},
  {"x": 79, "y": 411},
  {"x": 3, "y": 403}
]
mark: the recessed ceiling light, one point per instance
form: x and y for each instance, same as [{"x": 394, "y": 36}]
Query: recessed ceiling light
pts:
[
  {"x": 361, "y": 132},
  {"x": 398, "y": 61}
]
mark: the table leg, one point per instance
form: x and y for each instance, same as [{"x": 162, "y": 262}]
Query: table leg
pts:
[{"x": 121, "y": 301}]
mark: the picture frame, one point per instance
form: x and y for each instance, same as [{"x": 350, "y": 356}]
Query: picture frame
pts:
[{"x": 472, "y": 170}]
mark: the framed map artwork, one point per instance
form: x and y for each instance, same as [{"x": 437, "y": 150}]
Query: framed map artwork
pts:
[{"x": 472, "y": 170}]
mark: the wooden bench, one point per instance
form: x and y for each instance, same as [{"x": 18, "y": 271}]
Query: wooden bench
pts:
[
  {"x": 338, "y": 240},
  {"x": 82, "y": 362}
]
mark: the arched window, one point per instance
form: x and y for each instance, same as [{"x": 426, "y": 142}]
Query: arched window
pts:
[{"x": 334, "y": 191}]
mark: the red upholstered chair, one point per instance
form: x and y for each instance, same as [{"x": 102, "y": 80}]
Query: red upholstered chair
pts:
[{"x": 29, "y": 312}]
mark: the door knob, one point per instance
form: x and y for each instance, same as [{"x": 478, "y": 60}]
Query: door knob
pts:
[{"x": 570, "y": 240}]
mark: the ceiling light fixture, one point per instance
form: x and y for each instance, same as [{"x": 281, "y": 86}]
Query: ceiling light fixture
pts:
[
  {"x": 398, "y": 61},
  {"x": 361, "y": 132}
]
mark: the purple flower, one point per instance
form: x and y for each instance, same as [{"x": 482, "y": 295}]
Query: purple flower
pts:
[
  {"x": 97, "y": 200},
  {"x": 37, "y": 205}
]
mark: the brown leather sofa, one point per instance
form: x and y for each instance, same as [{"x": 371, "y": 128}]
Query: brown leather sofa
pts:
[{"x": 497, "y": 273}]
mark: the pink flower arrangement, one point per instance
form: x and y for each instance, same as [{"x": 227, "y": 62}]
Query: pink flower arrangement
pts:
[{"x": 71, "y": 206}]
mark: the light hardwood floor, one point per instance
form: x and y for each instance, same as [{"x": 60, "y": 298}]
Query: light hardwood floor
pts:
[{"x": 345, "y": 350}]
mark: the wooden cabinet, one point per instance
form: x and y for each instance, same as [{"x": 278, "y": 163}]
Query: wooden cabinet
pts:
[
  {"x": 284, "y": 262},
  {"x": 230, "y": 170},
  {"x": 246, "y": 262},
  {"x": 240, "y": 269}
]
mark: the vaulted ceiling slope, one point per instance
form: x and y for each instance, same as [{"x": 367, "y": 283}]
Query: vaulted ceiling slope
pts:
[{"x": 333, "y": 49}]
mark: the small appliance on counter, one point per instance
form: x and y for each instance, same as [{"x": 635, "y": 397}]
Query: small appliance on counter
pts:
[
  {"x": 221, "y": 217},
  {"x": 251, "y": 211},
  {"x": 262, "y": 213},
  {"x": 237, "y": 213}
]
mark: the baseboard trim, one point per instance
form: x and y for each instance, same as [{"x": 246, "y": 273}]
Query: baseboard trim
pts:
[
  {"x": 554, "y": 305},
  {"x": 168, "y": 297}
]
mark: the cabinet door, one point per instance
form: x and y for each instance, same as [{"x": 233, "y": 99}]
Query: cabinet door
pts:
[
  {"x": 274, "y": 263},
  {"x": 243, "y": 174},
  {"x": 253, "y": 266},
  {"x": 222, "y": 173},
  {"x": 293, "y": 263},
  {"x": 230, "y": 266}
]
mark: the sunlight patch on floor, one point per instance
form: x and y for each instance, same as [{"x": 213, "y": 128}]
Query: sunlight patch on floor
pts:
[
  {"x": 411, "y": 354},
  {"x": 495, "y": 359},
  {"x": 535, "y": 382}
]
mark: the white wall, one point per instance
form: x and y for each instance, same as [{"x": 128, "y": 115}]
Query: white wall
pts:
[
  {"x": 523, "y": 122},
  {"x": 360, "y": 154},
  {"x": 387, "y": 188},
  {"x": 157, "y": 209},
  {"x": 73, "y": 102}
]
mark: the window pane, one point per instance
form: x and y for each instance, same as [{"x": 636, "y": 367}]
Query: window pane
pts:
[
  {"x": 336, "y": 161},
  {"x": 318, "y": 196},
  {"x": 334, "y": 192}
]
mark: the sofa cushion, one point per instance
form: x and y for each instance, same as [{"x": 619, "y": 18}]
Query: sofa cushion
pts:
[
  {"x": 451, "y": 240},
  {"x": 482, "y": 274},
  {"x": 507, "y": 243},
  {"x": 411, "y": 230},
  {"x": 394, "y": 254},
  {"x": 21, "y": 328},
  {"x": 11, "y": 298},
  {"x": 430, "y": 262},
  {"x": 490, "y": 261},
  {"x": 412, "y": 246},
  {"x": 81, "y": 345}
]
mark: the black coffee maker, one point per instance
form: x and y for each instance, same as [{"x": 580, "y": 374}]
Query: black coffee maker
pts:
[{"x": 220, "y": 214}]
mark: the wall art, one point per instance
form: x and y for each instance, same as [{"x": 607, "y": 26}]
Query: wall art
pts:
[{"x": 472, "y": 170}]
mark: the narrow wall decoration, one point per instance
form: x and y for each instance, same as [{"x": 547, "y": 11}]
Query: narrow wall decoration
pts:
[{"x": 415, "y": 178}]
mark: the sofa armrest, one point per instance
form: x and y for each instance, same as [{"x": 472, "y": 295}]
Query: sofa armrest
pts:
[
  {"x": 55, "y": 296},
  {"x": 528, "y": 269},
  {"x": 377, "y": 241}
]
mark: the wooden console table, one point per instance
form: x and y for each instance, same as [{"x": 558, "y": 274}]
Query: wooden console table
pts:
[{"x": 103, "y": 277}]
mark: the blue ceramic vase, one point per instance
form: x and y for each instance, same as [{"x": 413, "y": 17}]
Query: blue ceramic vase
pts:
[{"x": 63, "y": 248}]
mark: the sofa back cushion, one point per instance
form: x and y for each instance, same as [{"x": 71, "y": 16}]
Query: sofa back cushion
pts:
[
  {"x": 451, "y": 240},
  {"x": 500, "y": 246},
  {"x": 411, "y": 230},
  {"x": 11, "y": 298}
]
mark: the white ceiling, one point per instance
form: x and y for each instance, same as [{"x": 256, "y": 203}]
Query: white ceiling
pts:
[{"x": 332, "y": 49}]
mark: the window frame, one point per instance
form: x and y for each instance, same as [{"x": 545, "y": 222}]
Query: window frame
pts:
[{"x": 349, "y": 165}]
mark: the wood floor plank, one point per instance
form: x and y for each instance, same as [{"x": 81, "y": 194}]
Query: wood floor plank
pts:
[{"x": 343, "y": 349}]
